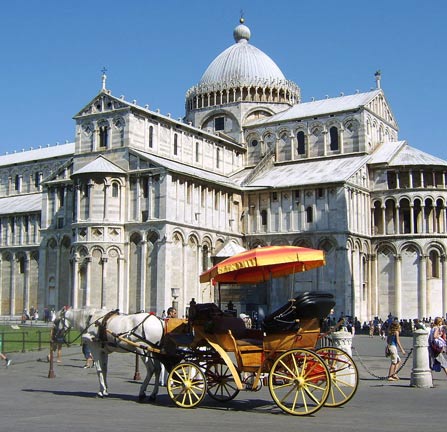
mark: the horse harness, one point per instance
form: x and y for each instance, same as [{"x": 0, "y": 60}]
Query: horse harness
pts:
[{"x": 124, "y": 337}]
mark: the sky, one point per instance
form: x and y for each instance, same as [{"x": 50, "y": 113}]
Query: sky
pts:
[{"x": 52, "y": 53}]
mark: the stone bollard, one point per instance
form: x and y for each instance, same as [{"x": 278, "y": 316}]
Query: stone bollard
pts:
[
  {"x": 342, "y": 339},
  {"x": 421, "y": 374}
]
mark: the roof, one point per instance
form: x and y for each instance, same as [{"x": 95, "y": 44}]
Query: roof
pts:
[
  {"x": 317, "y": 171},
  {"x": 186, "y": 169},
  {"x": 241, "y": 61},
  {"x": 230, "y": 249},
  {"x": 100, "y": 165},
  {"x": 320, "y": 107},
  {"x": 412, "y": 156},
  {"x": 399, "y": 153},
  {"x": 48, "y": 152},
  {"x": 21, "y": 204},
  {"x": 385, "y": 152}
]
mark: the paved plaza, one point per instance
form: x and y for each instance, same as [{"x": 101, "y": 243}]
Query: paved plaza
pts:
[{"x": 30, "y": 401}]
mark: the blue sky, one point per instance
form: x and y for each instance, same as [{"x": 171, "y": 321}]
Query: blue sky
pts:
[{"x": 52, "y": 53}]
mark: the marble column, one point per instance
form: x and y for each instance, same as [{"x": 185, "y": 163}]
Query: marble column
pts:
[{"x": 421, "y": 374}]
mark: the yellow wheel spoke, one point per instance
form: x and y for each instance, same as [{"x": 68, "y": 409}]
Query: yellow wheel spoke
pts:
[{"x": 311, "y": 395}]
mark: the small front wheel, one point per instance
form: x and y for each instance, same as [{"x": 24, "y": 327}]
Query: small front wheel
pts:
[
  {"x": 299, "y": 382},
  {"x": 186, "y": 385}
]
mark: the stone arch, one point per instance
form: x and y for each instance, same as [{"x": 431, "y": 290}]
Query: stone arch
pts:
[
  {"x": 257, "y": 243},
  {"x": 192, "y": 264},
  {"x": 114, "y": 257},
  {"x": 316, "y": 139},
  {"x": 96, "y": 278},
  {"x": 65, "y": 276},
  {"x": 152, "y": 249},
  {"x": 303, "y": 242},
  {"x": 284, "y": 145},
  {"x": 135, "y": 272},
  {"x": 410, "y": 255},
  {"x": 257, "y": 113}
]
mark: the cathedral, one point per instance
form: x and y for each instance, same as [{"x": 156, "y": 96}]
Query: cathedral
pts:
[{"x": 140, "y": 204}]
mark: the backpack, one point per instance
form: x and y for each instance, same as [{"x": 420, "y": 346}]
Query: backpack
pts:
[{"x": 437, "y": 346}]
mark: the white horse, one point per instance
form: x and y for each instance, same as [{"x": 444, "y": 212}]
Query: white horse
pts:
[{"x": 107, "y": 332}]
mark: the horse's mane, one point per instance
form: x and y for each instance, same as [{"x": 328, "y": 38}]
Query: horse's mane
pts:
[{"x": 82, "y": 318}]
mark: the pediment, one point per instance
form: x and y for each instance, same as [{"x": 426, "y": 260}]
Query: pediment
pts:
[
  {"x": 103, "y": 102},
  {"x": 381, "y": 108},
  {"x": 61, "y": 174}
]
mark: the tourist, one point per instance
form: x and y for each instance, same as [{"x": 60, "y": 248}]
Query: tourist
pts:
[
  {"x": 437, "y": 337},
  {"x": 172, "y": 312},
  {"x": 393, "y": 342},
  {"x": 87, "y": 355},
  {"x": 246, "y": 319},
  {"x": 6, "y": 359}
]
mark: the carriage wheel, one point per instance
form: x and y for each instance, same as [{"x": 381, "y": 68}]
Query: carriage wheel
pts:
[
  {"x": 299, "y": 382},
  {"x": 186, "y": 385},
  {"x": 220, "y": 382},
  {"x": 344, "y": 375}
]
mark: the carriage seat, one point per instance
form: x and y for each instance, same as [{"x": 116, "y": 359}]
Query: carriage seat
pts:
[
  {"x": 177, "y": 334},
  {"x": 245, "y": 338},
  {"x": 306, "y": 306}
]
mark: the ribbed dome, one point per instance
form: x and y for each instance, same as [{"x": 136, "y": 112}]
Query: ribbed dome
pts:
[
  {"x": 242, "y": 73},
  {"x": 241, "y": 61}
]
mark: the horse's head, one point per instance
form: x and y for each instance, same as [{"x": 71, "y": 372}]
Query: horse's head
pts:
[{"x": 61, "y": 324}]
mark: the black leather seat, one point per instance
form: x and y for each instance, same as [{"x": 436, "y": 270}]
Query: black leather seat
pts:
[{"x": 306, "y": 305}]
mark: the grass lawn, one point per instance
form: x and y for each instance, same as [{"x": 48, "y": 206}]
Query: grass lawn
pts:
[{"x": 26, "y": 338}]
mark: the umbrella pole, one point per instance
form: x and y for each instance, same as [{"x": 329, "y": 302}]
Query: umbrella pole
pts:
[{"x": 219, "y": 296}]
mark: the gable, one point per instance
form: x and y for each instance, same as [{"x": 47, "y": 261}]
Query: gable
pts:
[
  {"x": 379, "y": 106},
  {"x": 62, "y": 173},
  {"x": 103, "y": 102}
]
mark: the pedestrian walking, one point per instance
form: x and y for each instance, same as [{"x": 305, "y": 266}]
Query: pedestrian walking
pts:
[
  {"x": 393, "y": 342},
  {"x": 437, "y": 346},
  {"x": 4, "y": 356}
]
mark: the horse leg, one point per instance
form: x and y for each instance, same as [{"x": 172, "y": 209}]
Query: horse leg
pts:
[
  {"x": 101, "y": 361},
  {"x": 152, "y": 366}
]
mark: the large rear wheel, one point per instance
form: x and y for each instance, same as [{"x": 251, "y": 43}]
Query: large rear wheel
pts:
[
  {"x": 186, "y": 385},
  {"x": 299, "y": 382},
  {"x": 344, "y": 375}
]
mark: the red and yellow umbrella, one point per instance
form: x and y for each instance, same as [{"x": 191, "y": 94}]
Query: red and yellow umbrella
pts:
[{"x": 263, "y": 263}]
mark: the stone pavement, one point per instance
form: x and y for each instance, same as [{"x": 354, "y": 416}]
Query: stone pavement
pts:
[{"x": 30, "y": 401}]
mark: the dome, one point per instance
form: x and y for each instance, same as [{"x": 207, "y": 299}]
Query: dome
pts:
[
  {"x": 241, "y": 61},
  {"x": 240, "y": 74}
]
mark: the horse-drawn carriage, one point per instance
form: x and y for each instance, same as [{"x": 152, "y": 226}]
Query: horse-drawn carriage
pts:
[
  {"x": 219, "y": 356},
  {"x": 215, "y": 354}
]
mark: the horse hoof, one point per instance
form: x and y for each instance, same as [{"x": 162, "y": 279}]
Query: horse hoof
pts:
[
  {"x": 141, "y": 398},
  {"x": 99, "y": 395},
  {"x": 152, "y": 398}
]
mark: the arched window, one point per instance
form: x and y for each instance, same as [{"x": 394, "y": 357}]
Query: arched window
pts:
[
  {"x": 103, "y": 136},
  {"x": 309, "y": 215},
  {"x": 18, "y": 183},
  {"x": 433, "y": 264},
  {"x": 175, "y": 144},
  {"x": 151, "y": 136},
  {"x": 263, "y": 217},
  {"x": 301, "y": 138},
  {"x": 115, "y": 190},
  {"x": 197, "y": 152},
  {"x": 333, "y": 132}
]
